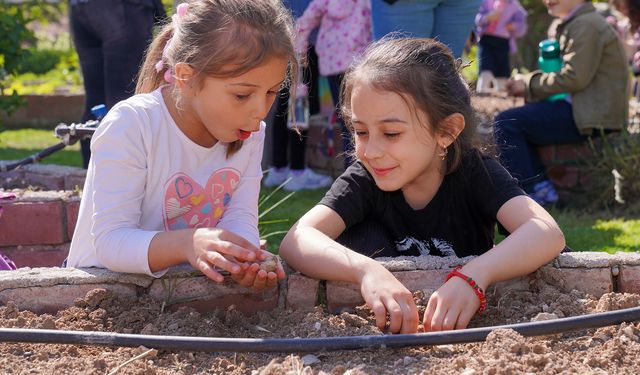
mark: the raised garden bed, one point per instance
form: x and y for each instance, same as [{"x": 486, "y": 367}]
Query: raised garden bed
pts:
[{"x": 97, "y": 300}]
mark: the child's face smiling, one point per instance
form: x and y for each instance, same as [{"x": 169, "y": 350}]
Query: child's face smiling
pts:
[
  {"x": 399, "y": 152},
  {"x": 561, "y": 8}
]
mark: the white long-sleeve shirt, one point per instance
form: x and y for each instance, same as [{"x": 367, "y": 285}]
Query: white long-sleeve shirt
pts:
[{"x": 147, "y": 176}]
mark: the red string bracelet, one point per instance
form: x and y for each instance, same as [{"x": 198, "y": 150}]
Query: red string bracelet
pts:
[{"x": 476, "y": 288}]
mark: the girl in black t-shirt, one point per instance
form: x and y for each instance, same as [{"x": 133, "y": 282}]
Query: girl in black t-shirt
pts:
[{"x": 420, "y": 177}]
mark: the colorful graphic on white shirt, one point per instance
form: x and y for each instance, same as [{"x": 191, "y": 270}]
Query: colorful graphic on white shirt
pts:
[{"x": 188, "y": 205}]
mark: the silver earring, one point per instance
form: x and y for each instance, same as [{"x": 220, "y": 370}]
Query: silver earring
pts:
[{"x": 443, "y": 154}]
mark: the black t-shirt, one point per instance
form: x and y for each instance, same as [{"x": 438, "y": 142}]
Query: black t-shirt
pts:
[{"x": 460, "y": 219}]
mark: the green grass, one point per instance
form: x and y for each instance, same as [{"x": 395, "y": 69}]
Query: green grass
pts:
[
  {"x": 599, "y": 232},
  {"x": 583, "y": 232},
  {"x": 18, "y": 144},
  {"x": 278, "y": 221}
]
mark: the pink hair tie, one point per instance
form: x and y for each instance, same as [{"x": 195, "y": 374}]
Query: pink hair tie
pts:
[{"x": 181, "y": 10}]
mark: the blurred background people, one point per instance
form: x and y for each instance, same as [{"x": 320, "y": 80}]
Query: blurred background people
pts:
[
  {"x": 345, "y": 32},
  {"x": 448, "y": 21},
  {"x": 288, "y": 159},
  {"x": 111, "y": 37},
  {"x": 498, "y": 24},
  {"x": 595, "y": 75}
]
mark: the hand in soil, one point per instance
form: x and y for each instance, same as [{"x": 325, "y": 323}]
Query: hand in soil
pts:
[
  {"x": 386, "y": 295},
  {"x": 451, "y": 306},
  {"x": 261, "y": 275}
]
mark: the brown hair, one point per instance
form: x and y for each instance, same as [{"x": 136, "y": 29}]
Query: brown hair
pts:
[
  {"x": 426, "y": 75},
  {"x": 222, "y": 38}
]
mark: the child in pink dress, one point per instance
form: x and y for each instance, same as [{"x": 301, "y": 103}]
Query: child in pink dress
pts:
[
  {"x": 345, "y": 32},
  {"x": 498, "y": 24}
]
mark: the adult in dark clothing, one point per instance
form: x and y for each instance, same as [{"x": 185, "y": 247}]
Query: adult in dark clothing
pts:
[{"x": 111, "y": 37}]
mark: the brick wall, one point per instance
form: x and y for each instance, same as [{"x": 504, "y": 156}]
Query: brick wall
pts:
[
  {"x": 563, "y": 164},
  {"x": 45, "y": 111},
  {"x": 36, "y": 228},
  {"x": 52, "y": 289}
]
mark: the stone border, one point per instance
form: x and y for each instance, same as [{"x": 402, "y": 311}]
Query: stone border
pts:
[
  {"x": 45, "y": 176},
  {"x": 53, "y": 289}
]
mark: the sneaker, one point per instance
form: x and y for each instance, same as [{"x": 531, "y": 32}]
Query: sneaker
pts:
[
  {"x": 276, "y": 176},
  {"x": 544, "y": 193},
  {"x": 307, "y": 179}
]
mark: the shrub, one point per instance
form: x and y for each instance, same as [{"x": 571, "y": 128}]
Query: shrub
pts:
[
  {"x": 15, "y": 42},
  {"x": 39, "y": 61},
  {"x": 13, "y": 28},
  {"x": 612, "y": 173}
]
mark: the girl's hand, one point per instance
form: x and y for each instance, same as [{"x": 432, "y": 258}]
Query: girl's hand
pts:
[
  {"x": 386, "y": 295},
  {"x": 253, "y": 277},
  {"x": 451, "y": 306},
  {"x": 516, "y": 86},
  {"x": 214, "y": 248}
]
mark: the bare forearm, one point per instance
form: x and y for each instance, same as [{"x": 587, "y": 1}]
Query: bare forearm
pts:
[
  {"x": 316, "y": 255},
  {"x": 167, "y": 249},
  {"x": 531, "y": 246}
]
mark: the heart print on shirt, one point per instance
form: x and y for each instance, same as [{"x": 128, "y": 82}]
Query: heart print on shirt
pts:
[{"x": 187, "y": 205}]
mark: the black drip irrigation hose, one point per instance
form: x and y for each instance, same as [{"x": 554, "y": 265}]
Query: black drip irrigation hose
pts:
[
  {"x": 69, "y": 134},
  {"x": 215, "y": 344},
  {"x": 33, "y": 158}
]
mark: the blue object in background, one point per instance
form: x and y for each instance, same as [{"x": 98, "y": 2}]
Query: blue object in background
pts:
[{"x": 99, "y": 111}]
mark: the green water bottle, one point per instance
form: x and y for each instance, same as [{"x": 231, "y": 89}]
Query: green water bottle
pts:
[{"x": 550, "y": 61}]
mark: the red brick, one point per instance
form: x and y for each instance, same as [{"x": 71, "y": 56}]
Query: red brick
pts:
[
  {"x": 341, "y": 294},
  {"x": 45, "y": 111},
  {"x": 547, "y": 153},
  {"x": 564, "y": 176},
  {"x": 572, "y": 152},
  {"x": 206, "y": 295},
  {"x": 302, "y": 292},
  {"x": 51, "y": 299},
  {"x": 64, "y": 107},
  {"x": 629, "y": 279},
  {"x": 246, "y": 304},
  {"x": 48, "y": 182},
  {"x": 32, "y": 223},
  {"x": 37, "y": 255},
  {"x": 594, "y": 281},
  {"x": 503, "y": 288},
  {"x": 71, "y": 211}
]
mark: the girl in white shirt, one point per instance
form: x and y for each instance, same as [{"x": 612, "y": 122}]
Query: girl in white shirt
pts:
[{"x": 175, "y": 172}]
